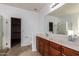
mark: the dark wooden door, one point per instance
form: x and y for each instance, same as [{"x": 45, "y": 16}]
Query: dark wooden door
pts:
[{"x": 15, "y": 31}]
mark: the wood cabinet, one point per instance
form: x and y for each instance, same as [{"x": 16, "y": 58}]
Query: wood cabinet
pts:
[
  {"x": 56, "y": 46},
  {"x": 69, "y": 52},
  {"x": 37, "y": 43},
  {"x": 55, "y": 49},
  {"x": 54, "y": 52},
  {"x": 40, "y": 45},
  {"x": 48, "y": 48}
]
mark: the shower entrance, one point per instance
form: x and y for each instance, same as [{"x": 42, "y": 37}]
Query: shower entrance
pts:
[{"x": 15, "y": 31}]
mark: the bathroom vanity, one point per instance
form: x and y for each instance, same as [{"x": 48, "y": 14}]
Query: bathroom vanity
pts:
[{"x": 55, "y": 47}]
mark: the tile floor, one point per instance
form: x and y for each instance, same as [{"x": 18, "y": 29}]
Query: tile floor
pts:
[{"x": 22, "y": 51}]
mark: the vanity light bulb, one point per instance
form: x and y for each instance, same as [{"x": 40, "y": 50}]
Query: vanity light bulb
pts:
[{"x": 70, "y": 32}]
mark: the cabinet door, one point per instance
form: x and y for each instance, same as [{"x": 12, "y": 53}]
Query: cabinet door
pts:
[
  {"x": 54, "y": 52},
  {"x": 69, "y": 52},
  {"x": 41, "y": 46},
  {"x": 46, "y": 47},
  {"x": 56, "y": 46},
  {"x": 37, "y": 43}
]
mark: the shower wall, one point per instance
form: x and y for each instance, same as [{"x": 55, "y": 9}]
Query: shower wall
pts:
[{"x": 1, "y": 31}]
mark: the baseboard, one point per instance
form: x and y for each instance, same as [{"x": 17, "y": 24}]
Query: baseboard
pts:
[
  {"x": 29, "y": 43},
  {"x": 34, "y": 49}
]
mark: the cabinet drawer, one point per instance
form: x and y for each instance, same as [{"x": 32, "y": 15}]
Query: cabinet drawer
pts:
[
  {"x": 56, "y": 46},
  {"x": 70, "y": 52}
]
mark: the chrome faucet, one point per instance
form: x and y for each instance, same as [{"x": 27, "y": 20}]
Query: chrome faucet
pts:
[{"x": 72, "y": 38}]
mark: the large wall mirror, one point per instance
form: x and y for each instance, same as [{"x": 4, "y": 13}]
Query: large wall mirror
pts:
[{"x": 65, "y": 19}]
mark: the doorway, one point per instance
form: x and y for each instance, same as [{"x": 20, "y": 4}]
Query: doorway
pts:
[{"x": 15, "y": 31}]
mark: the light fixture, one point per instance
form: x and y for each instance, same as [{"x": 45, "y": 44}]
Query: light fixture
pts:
[{"x": 70, "y": 32}]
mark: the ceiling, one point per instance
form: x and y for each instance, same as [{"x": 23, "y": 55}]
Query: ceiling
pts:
[
  {"x": 69, "y": 8},
  {"x": 35, "y": 7}
]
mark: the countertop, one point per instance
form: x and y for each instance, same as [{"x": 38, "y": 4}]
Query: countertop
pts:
[{"x": 62, "y": 40}]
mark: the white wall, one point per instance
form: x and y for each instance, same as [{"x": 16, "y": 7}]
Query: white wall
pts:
[{"x": 29, "y": 24}]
